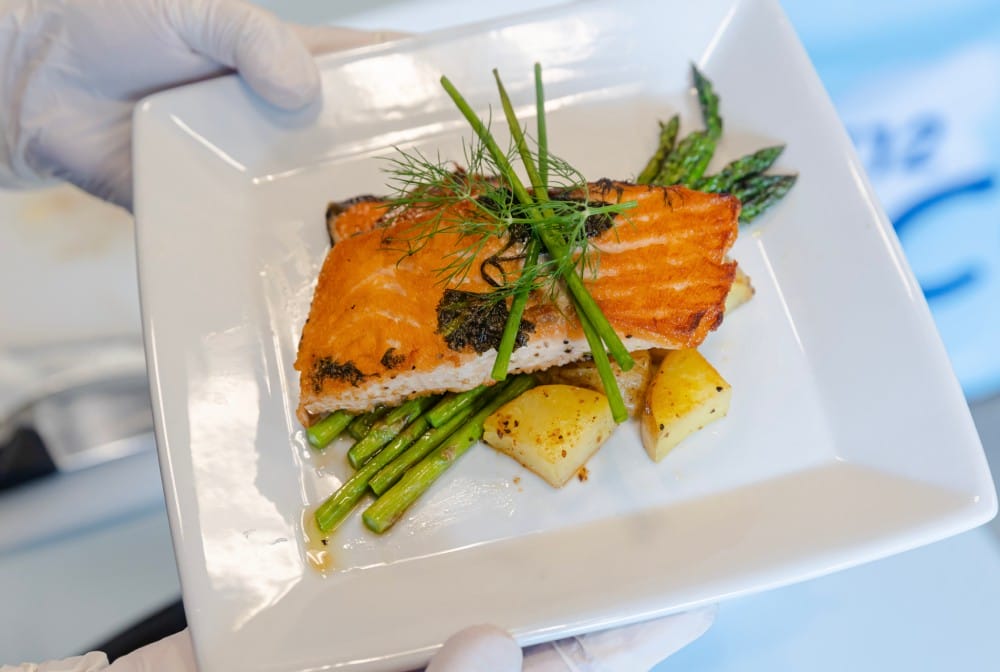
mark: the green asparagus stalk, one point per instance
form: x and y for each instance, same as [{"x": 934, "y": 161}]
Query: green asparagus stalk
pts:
[
  {"x": 364, "y": 422},
  {"x": 394, "y": 470},
  {"x": 668, "y": 138},
  {"x": 687, "y": 163},
  {"x": 329, "y": 428},
  {"x": 451, "y": 404},
  {"x": 388, "y": 508},
  {"x": 767, "y": 193},
  {"x": 741, "y": 168},
  {"x": 337, "y": 506},
  {"x": 709, "y": 102},
  {"x": 386, "y": 429},
  {"x": 744, "y": 178},
  {"x": 754, "y": 185}
]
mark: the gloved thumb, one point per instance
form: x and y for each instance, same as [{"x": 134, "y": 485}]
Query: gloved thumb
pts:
[{"x": 480, "y": 648}]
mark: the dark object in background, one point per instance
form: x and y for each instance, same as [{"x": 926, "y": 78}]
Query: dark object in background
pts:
[
  {"x": 77, "y": 423},
  {"x": 161, "y": 623},
  {"x": 23, "y": 458}
]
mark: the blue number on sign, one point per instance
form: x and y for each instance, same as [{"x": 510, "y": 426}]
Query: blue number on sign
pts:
[
  {"x": 962, "y": 277},
  {"x": 907, "y": 149}
]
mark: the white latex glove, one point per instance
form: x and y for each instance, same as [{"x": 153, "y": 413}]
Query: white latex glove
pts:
[
  {"x": 71, "y": 71},
  {"x": 633, "y": 648},
  {"x": 480, "y": 648},
  {"x": 170, "y": 654}
]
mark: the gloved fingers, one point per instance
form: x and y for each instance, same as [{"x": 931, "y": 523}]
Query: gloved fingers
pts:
[
  {"x": 325, "y": 39},
  {"x": 94, "y": 661},
  {"x": 626, "y": 649},
  {"x": 93, "y": 153},
  {"x": 479, "y": 648},
  {"x": 265, "y": 51},
  {"x": 173, "y": 653}
]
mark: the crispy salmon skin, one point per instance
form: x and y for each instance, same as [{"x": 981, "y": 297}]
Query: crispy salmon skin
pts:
[{"x": 372, "y": 335}]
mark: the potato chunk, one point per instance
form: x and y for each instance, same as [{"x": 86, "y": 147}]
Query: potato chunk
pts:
[
  {"x": 551, "y": 429},
  {"x": 686, "y": 394},
  {"x": 632, "y": 383},
  {"x": 740, "y": 292}
]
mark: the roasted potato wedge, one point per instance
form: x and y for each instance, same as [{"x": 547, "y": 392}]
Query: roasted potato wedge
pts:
[
  {"x": 632, "y": 383},
  {"x": 685, "y": 395},
  {"x": 740, "y": 292},
  {"x": 551, "y": 429}
]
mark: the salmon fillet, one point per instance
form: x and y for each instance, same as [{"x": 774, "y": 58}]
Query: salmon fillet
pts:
[{"x": 372, "y": 335}]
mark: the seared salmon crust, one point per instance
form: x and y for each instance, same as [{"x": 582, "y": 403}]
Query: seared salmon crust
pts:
[{"x": 372, "y": 335}]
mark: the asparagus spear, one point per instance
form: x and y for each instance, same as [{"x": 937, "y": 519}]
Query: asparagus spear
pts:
[
  {"x": 388, "y": 508},
  {"x": 741, "y": 168},
  {"x": 393, "y": 470},
  {"x": 709, "y": 102},
  {"x": 364, "y": 422},
  {"x": 451, "y": 404},
  {"x": 668, "y": 138},
  {"x": 386, "y": 429},
  {"x": 688, "y": 161},
  {"x": 453, "y": 409},
  {"x": 329, "y": 428},
  {"x": 767, "y": 192},
  {"x": 751, "y": 186},
  {"x": 337, "y": 506}
]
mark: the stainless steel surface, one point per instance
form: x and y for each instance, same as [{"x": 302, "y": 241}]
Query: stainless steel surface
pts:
[{"x": 88, "y": 401}]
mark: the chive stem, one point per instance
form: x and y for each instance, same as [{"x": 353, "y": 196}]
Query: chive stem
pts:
[
  {"x": 552, "y": 242},
  {"x": 509, "y": 337},
  {"x": 543, "y": 136},
  {"x": 615, "y": 401}
]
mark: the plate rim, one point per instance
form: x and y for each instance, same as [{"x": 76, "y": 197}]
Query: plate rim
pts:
[{"x": 985, "y": 508}]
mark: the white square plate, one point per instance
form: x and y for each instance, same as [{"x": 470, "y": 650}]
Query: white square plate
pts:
[{"x": 848, "y": 437}]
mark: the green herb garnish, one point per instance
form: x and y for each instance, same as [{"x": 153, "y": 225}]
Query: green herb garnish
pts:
[{"x": 546, "y": 231}]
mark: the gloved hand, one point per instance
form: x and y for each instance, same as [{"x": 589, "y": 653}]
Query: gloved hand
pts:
[
  {"x": 633, "y": 648},
  {"x": 71, "y": 71},
  {"x": 480, "y": 648}
]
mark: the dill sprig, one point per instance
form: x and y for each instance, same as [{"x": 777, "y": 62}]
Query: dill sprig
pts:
[
  {"x": 432, "y": 196},
  {"x": 544, "y": 234}
]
